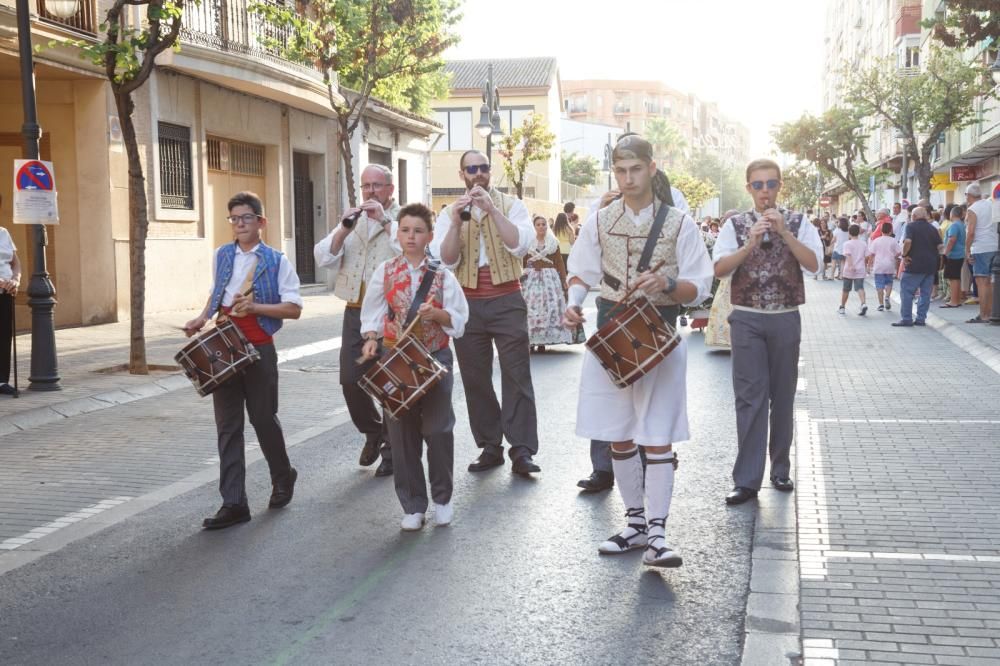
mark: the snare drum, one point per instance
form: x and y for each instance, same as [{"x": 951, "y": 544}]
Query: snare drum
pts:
[
  {"x": 632, "y": 342},
  {"x": 403, "y": 376},
  {"x": 216, "y": 356}
]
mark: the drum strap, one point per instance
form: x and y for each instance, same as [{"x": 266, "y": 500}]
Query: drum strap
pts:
[
  {"x": 422, "y": 291},
  {"x": 654, "y": 235}
]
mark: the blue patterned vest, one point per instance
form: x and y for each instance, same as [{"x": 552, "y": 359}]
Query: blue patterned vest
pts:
[{"x": 265, "y": 280}]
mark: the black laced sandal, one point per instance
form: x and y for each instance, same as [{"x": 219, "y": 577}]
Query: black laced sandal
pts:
[
  {"x": 624, "y": 542},
  {"x": 662, "y": 556}
]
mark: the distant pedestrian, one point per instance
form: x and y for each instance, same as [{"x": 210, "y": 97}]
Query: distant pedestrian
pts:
[
  {"x": 840, "y": 236},
  {"x": 884, "y": 252},
  {"x": 980, "y": 247},
  {"x": 826, "y": 237},
  {"x": 855, "y": 263},
  {"x": 10, "y": 280},
  {"x": 954, "y": 256},
  {"x": 565, "y": 233},
  {"x": 900, "y": 217},
  {"x": 543, "y": 285},
  {"x": 921, "y": 250},
  {"x": 569, "y": 208}
]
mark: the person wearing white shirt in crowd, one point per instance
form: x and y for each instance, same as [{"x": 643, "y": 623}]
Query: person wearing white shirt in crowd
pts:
[
  {"x": 10, "y": 280},
  {"x": 651, "y": 412},
  {"x": 980, "y": 247},
  {"x": 483, "y": 236},
  {"x": 900, "y": 216},
  {"x": 442, "y": 316},
  {"x": 249, "y": 265},
  {"x": 362, "y": 240},
  {"x": 766, "y": 252}
]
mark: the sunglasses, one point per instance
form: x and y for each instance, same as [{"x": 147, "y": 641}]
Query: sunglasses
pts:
[
  {"x": 473, "y": 168},
  {"x": 771, "y": 184}
]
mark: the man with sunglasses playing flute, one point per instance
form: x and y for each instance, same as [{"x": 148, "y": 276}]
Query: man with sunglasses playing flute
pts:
[
  {"x": 766, "y": 251},
  {"x": 482, "y": 237}
]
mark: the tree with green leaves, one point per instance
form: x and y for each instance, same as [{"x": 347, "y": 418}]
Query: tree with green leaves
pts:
[
  {"x": 966, "y": 23},
  {"x": 798, "y": 189},
  {"x": 922, "y": 106},
  {"x": 127, "y": 55},
  {"x": 834, "y": 142},
  {"x": 531, "y": 142},
  {"x": 696, "y": 191},
  {"x": 728, "y": 179},
  {"x": 579, "y": 170},
  {"x": 388, "y": 48},
  {"x": 669, "y": 145}
]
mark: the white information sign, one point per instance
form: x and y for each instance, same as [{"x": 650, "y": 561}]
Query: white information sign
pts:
[{"x": 35, "y": 193}]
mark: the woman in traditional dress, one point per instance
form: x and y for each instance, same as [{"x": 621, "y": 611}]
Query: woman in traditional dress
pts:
[
  {"x": 544, "y": 285},
  {"x": 717, "y": 331}
]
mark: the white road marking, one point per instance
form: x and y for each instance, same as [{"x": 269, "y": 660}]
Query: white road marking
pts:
[{"x": 68, "y": 519}]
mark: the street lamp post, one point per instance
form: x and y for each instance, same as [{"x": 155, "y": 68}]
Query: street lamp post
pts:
[
  {"x": 489, "y": 114},
  {"x": 608, "y": 150},
  {"x": 44, "y": 370}
]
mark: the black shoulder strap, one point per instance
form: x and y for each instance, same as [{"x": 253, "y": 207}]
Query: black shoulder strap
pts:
[
  {"x": 654, "y": 235},
  {"x": 422, "y": 291}
]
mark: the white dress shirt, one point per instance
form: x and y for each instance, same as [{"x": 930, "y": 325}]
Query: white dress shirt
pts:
[
  {"x": 7, "y": 250},
  {"x": 726, "y": 244},
  {"x": 693, "y": 262},
  {"x": 375, "y": 307},
  {"x": 518, "y": 216},
  {"x": 288, "y": 281}
]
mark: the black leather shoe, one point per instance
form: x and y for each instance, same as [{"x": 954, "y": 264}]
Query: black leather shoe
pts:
[
  {"x": 227, "y": 516},
  {"x": 369, "y": 454},
  {"x": 740, "y": 495},
  {"x": 384, "y": 467},
  {"x": 486, "y": 461},
  {"x": 785, "y": 485},
  {"x": 524, "y": 466},
  {"x": 597, "y": 482},
  {"x": 282, "y": 492}
]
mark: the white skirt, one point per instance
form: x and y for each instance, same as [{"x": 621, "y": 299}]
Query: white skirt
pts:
[{"x": 650, "y": 412}]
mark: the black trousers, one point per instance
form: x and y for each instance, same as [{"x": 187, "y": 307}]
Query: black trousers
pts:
[
  {"x": 6, "y": 335},
  {"x": 366, "y": 415},
  {"x": 256, "y": 390}
]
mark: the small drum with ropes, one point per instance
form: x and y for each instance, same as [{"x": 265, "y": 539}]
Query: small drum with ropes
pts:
[
  {"x": 216, "y": 356},
  {"x": 633, "y": 342}
]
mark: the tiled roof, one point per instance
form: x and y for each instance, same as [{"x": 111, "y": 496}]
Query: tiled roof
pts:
[{"x": 507, "y": 72}]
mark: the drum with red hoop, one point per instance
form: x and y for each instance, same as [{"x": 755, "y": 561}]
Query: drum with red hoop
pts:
[
  {"x": 633, "y": 341},
  {"x": 402, "y": 376},
  {"x": 216, "y": 356}
]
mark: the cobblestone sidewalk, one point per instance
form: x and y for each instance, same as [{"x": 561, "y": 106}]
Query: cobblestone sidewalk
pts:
[{"x": 898, "y": 522}]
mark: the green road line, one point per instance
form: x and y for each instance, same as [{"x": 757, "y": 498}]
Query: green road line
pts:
[{"x": 344, "y": 604}]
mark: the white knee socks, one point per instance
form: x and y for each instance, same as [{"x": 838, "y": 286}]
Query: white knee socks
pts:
[
  {"x": 659, "y": 490},
  {"x": 628, "y": 477}
]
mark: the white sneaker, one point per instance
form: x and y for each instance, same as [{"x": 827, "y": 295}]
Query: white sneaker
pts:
[
  {"x": 863, "y": 311},
  {"x": 841, "y": 310},
  {"x": 412, "y": 522},
  {"x": 443, "y": 513}
]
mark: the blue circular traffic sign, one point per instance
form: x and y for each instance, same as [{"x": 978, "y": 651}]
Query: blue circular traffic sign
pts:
[{"x": 34, "y": 176}]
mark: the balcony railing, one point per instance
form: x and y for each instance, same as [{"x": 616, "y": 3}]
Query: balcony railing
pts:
[
  {"x": 84, "y": 21},
  {"x": 229, "y": 25}
]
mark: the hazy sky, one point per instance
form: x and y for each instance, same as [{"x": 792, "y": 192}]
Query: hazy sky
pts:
[{"x": 761, "y": 60}]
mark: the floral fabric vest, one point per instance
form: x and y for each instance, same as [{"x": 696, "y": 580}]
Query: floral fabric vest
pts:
[
  {"x": 769, "y": 279},
  {"x": 399, "y": 293}
]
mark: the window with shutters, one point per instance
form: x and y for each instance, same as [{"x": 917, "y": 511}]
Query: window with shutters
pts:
[
  {"x": 235, "y": 156},
  {"x": 176, "y": 187}
]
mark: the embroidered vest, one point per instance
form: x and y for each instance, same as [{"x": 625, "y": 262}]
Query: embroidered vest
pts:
[
  {"x": 399, "y": 293},
  {"x": 622, "y": 242},
  {"x": 768, "y": 279},
  {"x": 504, "y": 266},
  {"x": 357, "y": 266},
  {"x": 265, "y": 280}
]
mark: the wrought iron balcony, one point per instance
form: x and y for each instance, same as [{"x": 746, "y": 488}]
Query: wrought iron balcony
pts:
[
  {"x": 84, "y": 21},
  {"x": 229, "y": 25}
]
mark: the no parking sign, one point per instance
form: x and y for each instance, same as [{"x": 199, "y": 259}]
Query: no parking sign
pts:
[{"x": 35, "y": 193}]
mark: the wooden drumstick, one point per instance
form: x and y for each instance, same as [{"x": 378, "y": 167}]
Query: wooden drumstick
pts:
[
  {"x": 248, "y": 292},
  {"x": 361, "y": 359},
  {"x": 633, "y": 289}
]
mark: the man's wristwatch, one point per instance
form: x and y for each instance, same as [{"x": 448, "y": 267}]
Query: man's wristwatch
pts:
[{"x": 671, "y": 285}]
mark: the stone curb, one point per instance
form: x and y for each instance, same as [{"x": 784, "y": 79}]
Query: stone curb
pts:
[{"x": 40, "y": 416}]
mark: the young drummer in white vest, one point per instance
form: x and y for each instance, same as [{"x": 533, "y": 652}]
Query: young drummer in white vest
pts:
[
  {"x": 652, "y": 412},
  {"x": 442, "y": 316}
]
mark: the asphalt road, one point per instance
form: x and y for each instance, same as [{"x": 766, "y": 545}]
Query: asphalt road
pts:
[{"x": 516, "y": 579}]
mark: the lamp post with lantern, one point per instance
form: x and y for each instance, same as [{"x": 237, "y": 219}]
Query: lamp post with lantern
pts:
[
  {"x": 41, "y": 294},
  {"x": 489, "y": 114}
]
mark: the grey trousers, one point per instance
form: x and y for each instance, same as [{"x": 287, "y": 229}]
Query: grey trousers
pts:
[
  {"x": 365, "y": 414},
  {"x": 504, "y": 321},
  {"x": 765, "y": 361},
  {"x": 431, "y": 420},
  {"x": 257, "y": 390}
]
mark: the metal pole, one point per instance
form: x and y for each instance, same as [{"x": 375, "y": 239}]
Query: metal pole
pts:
[{"x": 41, "y": 294}]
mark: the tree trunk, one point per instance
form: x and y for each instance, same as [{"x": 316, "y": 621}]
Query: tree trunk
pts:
[
  {"x": 138, "y": 228},
  {"x": 347, "y": 155},
  {"x": 924, "y": 171},
  {"x": 519, "y": 188}
]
